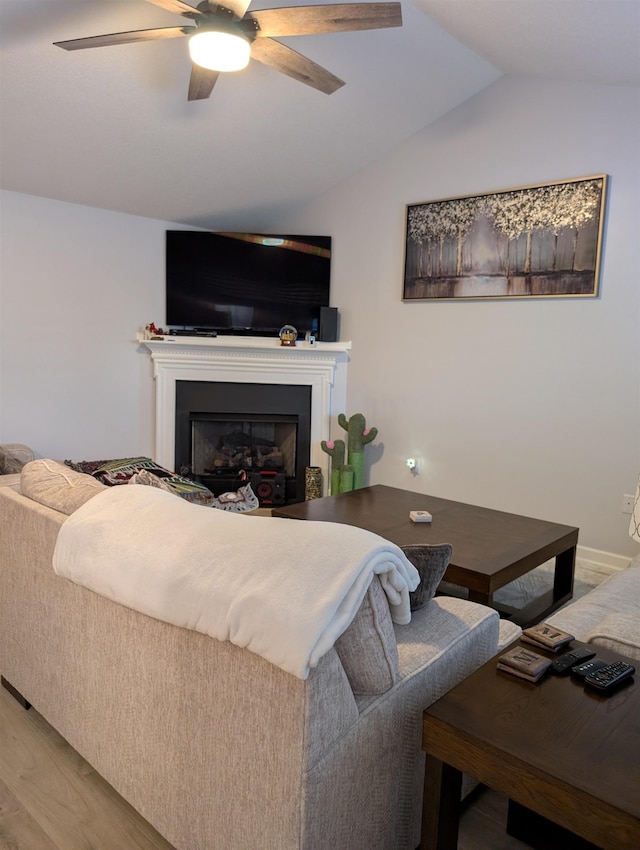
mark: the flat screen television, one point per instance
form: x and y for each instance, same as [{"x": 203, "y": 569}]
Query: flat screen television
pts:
[{"x": 246, "y": 283}]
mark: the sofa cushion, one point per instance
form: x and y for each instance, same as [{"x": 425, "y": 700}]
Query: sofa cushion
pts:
[
  {"x": 616, "y": 595},
  {"x": 367, "y": 649},
  {"x": 56, "y": 486},
  {"x": 618, "y": 632},
  {"x": 12, "y": 481}
]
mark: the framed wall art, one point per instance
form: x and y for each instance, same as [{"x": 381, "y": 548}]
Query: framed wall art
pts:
[{"x": 532, "y": 242}]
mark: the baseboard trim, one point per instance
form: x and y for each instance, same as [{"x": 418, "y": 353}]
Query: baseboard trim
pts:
[
  {"x": 605, "y": 559},
  {"x": 15, "y": 693}
]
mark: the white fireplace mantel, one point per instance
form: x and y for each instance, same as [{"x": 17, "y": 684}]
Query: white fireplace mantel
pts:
[{"x": 256, "y": 360}]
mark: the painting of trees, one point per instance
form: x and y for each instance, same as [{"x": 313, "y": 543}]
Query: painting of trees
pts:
[{"x": 538, "y": 241}]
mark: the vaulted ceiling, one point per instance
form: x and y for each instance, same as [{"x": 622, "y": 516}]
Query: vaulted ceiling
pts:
[{"x": 112, "y": 127}]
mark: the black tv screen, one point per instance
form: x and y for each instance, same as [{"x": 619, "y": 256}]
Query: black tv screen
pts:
[{"x": 246, "y": 282}]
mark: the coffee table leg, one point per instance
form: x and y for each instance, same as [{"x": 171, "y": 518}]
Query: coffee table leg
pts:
[
  {"x": 563, "y": 575},
  {"x": 482, "y": 598},
  {"x": 440, "y": 806}
]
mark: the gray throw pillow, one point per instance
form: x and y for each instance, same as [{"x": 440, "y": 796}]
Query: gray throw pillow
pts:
[
  {"x": 9, "y": 465},
  {"x": 431, "y": 561},
  {"x": 368, "y": 649}
]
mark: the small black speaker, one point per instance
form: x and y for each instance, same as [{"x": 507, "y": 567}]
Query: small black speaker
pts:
[
  {"x": 328, "y": 327},
  {"x": 269, "y": 486}
]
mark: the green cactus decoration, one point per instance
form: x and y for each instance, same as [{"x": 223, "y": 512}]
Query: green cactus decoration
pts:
[
  {"x": 335, "y": 449},
  {"x": 346, "y": 476},
  {"x": 358, "y": 437}
]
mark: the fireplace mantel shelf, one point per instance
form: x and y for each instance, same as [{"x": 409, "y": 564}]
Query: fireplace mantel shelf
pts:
[
  {"x": 235, "y": 343},
  {"x": 249, "y": 360}
]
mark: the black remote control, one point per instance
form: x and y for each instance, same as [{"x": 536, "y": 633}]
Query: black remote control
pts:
[
  {"x": 583, "y": 670},
  {"x": 562, "y": 665},
  {"x": 610, "y": 676}
]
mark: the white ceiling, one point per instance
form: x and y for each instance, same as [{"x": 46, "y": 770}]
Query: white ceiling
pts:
[{"x": 112, "y": 127}]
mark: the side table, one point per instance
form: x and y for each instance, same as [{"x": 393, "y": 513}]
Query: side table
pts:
[{"x": 556, "y": 747}]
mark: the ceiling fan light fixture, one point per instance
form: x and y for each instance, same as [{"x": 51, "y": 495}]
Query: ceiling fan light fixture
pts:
[{"x": 218, "y": 50}]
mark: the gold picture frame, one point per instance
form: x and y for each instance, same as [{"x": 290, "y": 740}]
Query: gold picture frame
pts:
[{"x": 542, "y": 241}]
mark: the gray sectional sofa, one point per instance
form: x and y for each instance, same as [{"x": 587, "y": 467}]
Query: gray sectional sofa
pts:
[
  {"x": 213, "y": 745},
  {"x": 609, "y": 615}
]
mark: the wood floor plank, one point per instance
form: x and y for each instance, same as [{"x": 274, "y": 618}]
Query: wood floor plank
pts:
[
  {"x": 73, "y": 758},
  {"x": 71, "y": 809},
  {"x": 483, "y": 826},
  {"x": 103, "y": 789},
  {"x": 9, "y": 803},
  {"x": 19, "y": 831}
]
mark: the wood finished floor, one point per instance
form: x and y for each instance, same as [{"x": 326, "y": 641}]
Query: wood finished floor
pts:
[{"x": 52, "y": 799}]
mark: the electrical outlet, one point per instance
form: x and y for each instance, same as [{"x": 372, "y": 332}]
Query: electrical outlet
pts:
[{"x": 627, "y": 504}]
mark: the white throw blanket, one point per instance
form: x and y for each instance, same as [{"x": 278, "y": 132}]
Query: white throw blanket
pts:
[{"x": 282, "y": 588}]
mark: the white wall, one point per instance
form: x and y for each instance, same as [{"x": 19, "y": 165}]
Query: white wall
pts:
[
  {"x": 76, "y": 283},
  {"x": 528, "y": 406},
  {"x": 532, "y": 406}
]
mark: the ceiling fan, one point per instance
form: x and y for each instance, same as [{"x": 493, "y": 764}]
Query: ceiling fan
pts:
[{"x": 251, "y": 35}]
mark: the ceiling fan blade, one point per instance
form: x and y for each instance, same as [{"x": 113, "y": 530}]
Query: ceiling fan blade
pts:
[
  {"x": 201, "y": 82},
  {"x": 123, "y": 38},
  {"x": 286, "y": 60},
  {"x": 177, "y": 6},
  {"x": 312, "y": 20}
]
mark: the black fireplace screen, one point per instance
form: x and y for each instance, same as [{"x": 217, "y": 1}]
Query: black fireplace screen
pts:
[
  {"x": 229, "y": 433},
  {"x": 227, "y": 444}
]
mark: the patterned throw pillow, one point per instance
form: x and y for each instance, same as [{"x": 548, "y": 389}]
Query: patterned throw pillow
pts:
[
  {"x": 121, "y": 471},
  {"x": 150, "y": 480}
]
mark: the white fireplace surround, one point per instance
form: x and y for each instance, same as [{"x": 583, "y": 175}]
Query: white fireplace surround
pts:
[{"x": 255, "y": 360}]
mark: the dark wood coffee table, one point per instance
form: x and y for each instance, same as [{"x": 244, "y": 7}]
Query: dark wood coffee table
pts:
[
  {"x": 490, "y": 548},
  {"x": 556, "y": 748}
]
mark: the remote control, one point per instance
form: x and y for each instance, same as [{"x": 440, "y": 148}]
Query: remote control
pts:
[
  {"x": 562, "y": 665},
  {"x": 610, "y": 676},
  {"x": 583, "y": 670}
]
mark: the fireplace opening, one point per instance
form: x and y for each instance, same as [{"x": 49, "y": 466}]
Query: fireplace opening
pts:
[{"x": 228, "y": 434}]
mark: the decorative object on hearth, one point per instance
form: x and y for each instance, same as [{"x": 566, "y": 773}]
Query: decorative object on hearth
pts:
[
  {"x": 269, "y": 486},
  {"x": 431, "y": 561},
  {"x": 346, "y": 474},
  {"x": 634, "y": 525},
  {"x": 224, "y": 37},
  {"x": 288, "y": 335},
  {"x": 239, "y": 501},
  {"x": 312, "y": 483},
  {"x": 335, "y": 449},
  {"x": 358, "y": 436}
]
